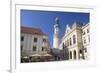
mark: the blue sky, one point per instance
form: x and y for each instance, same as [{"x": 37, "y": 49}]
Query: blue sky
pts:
[{"x": 45, "y": 20}]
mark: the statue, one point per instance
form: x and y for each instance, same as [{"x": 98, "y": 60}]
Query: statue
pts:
[{"x": 67, "y": 29}]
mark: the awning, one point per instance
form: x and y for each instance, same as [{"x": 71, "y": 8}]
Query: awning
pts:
[
  {"x": 35, "y": 55},
  {"x": 48, "y": 55},
  {"x": 25, "y": 57}
]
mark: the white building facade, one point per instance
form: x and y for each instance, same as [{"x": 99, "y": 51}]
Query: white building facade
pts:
[
  {"x": 86, "y": 39},
  {"x": 33, "y": 41},
  {"x": 74, "y": 40}
]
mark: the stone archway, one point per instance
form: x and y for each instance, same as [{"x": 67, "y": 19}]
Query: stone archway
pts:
[{"x": 70, "y": 54}]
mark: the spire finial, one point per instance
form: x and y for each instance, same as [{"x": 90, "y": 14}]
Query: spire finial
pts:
[{"x": 57, "y": 20}]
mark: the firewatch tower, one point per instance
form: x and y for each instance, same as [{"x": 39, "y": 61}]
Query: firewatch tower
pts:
[{"x": 56, "y": 37}]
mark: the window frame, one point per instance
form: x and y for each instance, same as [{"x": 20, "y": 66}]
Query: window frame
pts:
[
  {"x": 34, "y": 47},
  {"x": 35, "y": 39}
]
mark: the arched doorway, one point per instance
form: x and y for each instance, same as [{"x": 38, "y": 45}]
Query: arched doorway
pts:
[
  {"x": 80, "y": 54},
  {"x": 70, "y": 55},
  {"x": 74, "y": 54}
]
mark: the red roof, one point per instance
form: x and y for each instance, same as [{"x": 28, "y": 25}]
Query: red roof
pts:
[{"x": 34, "y": 31}]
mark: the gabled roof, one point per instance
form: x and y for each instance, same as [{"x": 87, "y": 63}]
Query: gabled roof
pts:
[{"x": 33, "y": 31}]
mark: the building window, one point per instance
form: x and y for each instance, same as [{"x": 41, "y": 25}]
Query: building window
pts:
[
  {"x": 89, "y": 38},
  {"x": 44, "y": 40},
  {"x": 87, "y": 30},
  {"x": 70, "y": 42},
  {"x": 67, "y": 43},
  {"x": 74, "y": 39},
  {"x": 84, "y": 40},
  {"x": 34, "y": 48},
  {"x": 22, "y": 38},
  {"x": 43, "y": 48},
  {"x": 85, "y": 49},
  {"x": 84, "y": 33},
  {"x": 63, "y": 46},
  {"x": 35, "y": 39},
  {"x": 21, "y": 48}
]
